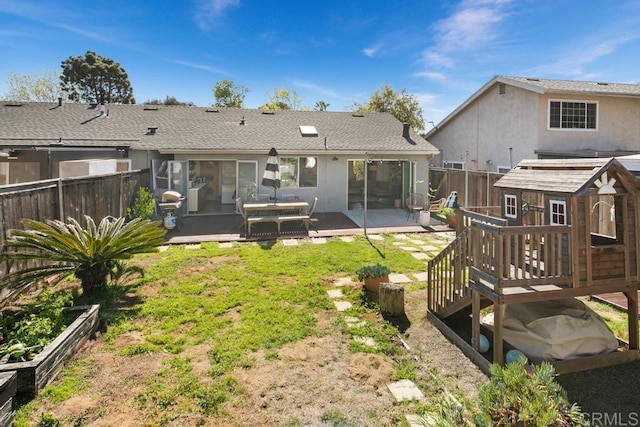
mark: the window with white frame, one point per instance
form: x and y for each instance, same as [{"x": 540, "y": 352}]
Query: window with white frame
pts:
[
  {"x": 557, "y": 212},
  {"x": 503, "y": 169},
  {"x": 298, "y": 172},
  {"x": 453, "y": 165},
  {"x": 573, "y": 115},
  {"x": 510, "y": 206}
]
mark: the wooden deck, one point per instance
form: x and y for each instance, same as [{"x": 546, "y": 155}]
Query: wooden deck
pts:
[{"x": 616, "y": 299}]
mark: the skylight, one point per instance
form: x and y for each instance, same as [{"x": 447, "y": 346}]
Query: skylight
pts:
[{"x": 308, "y": 131}]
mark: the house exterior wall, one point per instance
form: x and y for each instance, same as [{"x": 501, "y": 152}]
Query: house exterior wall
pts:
[
  {"x": 333, "y": 176},
  {"x": 482, "y": 133},
  {"x": 618, "y": 125}
]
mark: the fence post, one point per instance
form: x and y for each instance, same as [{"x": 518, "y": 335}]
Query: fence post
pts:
[{"x": 60, "y": 200}]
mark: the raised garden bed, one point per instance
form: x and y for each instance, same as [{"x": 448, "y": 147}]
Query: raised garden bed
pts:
[
  {"x": 35, "y": 374},
  {"x": 8, "y": 386}
]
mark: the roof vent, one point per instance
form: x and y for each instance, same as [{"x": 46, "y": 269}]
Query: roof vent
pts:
[
  {"x": 272, "y": 112},
  {"x": 12, "y": 104},
  {"x": 358, "y": 114},
  {"x": 211, "y": 110},
  {"x": 242, "y": 121},
  {"x": 150, "y": 108},
  {"x": 531, "y": 79},
  {"x": 603, "y": 84},
  {"x": 152, "y": 130}
]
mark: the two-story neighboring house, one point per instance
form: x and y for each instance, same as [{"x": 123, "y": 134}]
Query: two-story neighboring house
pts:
[{"x": 514, "y": 118}]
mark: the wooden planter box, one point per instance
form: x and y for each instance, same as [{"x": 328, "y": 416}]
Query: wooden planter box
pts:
[
  {"x": 34, "y": 375},
  {"x": 8, "y": 386}
]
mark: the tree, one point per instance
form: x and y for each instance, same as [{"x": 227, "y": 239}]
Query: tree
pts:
[
  {"x": 402, "y": 106},
  {"x": 168, "y": 100},
  {"x": 321, "y": 106},
  {"x": 92, "y": 254},
  {"x": 283, "y": 99},
  {"x": 30, "y": 87},
  {"x": 92, "y": 78},
  {"x": 228, "y": 94}
]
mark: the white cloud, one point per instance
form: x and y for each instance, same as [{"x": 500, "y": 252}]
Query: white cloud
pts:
[
  {"x": 208, "y": 11},
  {"x": 315, "y": 88},
  {"x": 472, "y": 26},
  {"x": 197, "y": 66},
  {"x": 431, "y": 75},
  {"x": 370, "y": 51},
  {"x": 573, "y": 65}
]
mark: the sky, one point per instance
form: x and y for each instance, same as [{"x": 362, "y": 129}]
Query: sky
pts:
[{"x": 336, "y": 51}]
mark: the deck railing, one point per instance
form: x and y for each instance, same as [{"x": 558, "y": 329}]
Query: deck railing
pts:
[
  {"x": 522, "y": 256},
  {"x": 503, "y": 256}
]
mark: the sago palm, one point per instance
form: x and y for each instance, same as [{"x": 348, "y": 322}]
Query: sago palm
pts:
[{"x": 92, "y": 254}]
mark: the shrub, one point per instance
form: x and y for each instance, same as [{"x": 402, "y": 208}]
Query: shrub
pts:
[
  {"x": 519, "y": 396},
  {"x": 93, "y": 254},
  {"x": 372, "y": 271},
  {"x": 144, "y": 206}
]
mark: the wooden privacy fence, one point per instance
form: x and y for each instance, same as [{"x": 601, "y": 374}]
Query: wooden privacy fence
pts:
[
  {"x": 96, "y": 196},
  {"x": 474, "y": 188}
]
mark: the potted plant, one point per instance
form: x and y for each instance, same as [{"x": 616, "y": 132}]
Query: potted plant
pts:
[
  {"x": 373, "y": 276},
  {"x": 449, "y": 215}
]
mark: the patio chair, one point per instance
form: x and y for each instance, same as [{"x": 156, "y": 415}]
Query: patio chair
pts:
[
  {"x": 241, "y": 211},
  {"x": 415, "y": 203},
  {"x": 311, "y": 210}
]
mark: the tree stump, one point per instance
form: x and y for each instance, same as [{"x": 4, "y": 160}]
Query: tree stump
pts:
[{"x": 391, "y": 300}]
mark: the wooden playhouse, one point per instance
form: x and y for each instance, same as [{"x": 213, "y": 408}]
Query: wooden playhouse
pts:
[{"x": 565, "y": 228}]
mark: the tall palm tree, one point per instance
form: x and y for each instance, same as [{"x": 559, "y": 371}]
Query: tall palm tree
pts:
[{"x": 92, "y": 254}]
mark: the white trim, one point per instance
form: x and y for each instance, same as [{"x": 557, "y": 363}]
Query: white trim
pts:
[
  {"x": 504, "y": 168},
  {"x": 553, "y": 203},
  {"x": 581, "y": 101},
  {"x": 514, "y": 198},
  {"x": 447, "y": 164}
]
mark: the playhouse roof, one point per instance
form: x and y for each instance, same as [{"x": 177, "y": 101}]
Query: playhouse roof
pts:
[{"x": 571, "y": 176}]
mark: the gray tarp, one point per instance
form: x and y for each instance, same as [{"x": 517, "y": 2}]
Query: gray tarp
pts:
[{"x": 558, "y": 329}]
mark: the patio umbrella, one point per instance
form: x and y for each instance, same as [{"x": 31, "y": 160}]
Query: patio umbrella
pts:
[{"x": 271, "y": 176}]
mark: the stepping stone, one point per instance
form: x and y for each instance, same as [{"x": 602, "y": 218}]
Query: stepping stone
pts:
[
  {"x": 399, "y": 243},
  {"x": 335, "y": 293},
  {"x": 418, "y": 421},
  {"x": 354, "y": 322},
  {"x": 417, "y": 242},
  {"x": 318, "y": 240},
  {"x": 191, "y": 247},
  {"x": 290, "y": 242},
  {"x": 401, "y": 236},
  {"x": 405, "y": 390},
  {"x": 347, "y": 239},
  {"x": 375, "y": 237},
  {"x": 421, "y": 277},
  {"x": 430, "y": 248},
  {"x": 409, "y": 249},
  {"x": 226, "y": 245},
  {"x": 420, "y": 255},
  {"x": 344, "y": 281},
  {"x": 368, "y": 341},
  {"x": 399, "y": 278},
  {"x": 342, "y": 305}
]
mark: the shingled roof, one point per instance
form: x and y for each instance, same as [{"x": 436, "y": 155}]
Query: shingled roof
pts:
[
  {"x": 542, "y": 86},
  {"x": 190, "y": 129},
  {"x": 570, "y": 176}
]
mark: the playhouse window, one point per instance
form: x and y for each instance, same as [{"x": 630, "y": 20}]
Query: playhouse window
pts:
[
  {"x": 603, "y": 221},
  {"x": 557, "y": 212},
  {"x": 510, "y": 206}
]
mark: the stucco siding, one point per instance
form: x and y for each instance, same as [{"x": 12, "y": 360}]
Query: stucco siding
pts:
[
  {"x": 481, "y": 134},
  {"x": 618, "y": 125}
]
